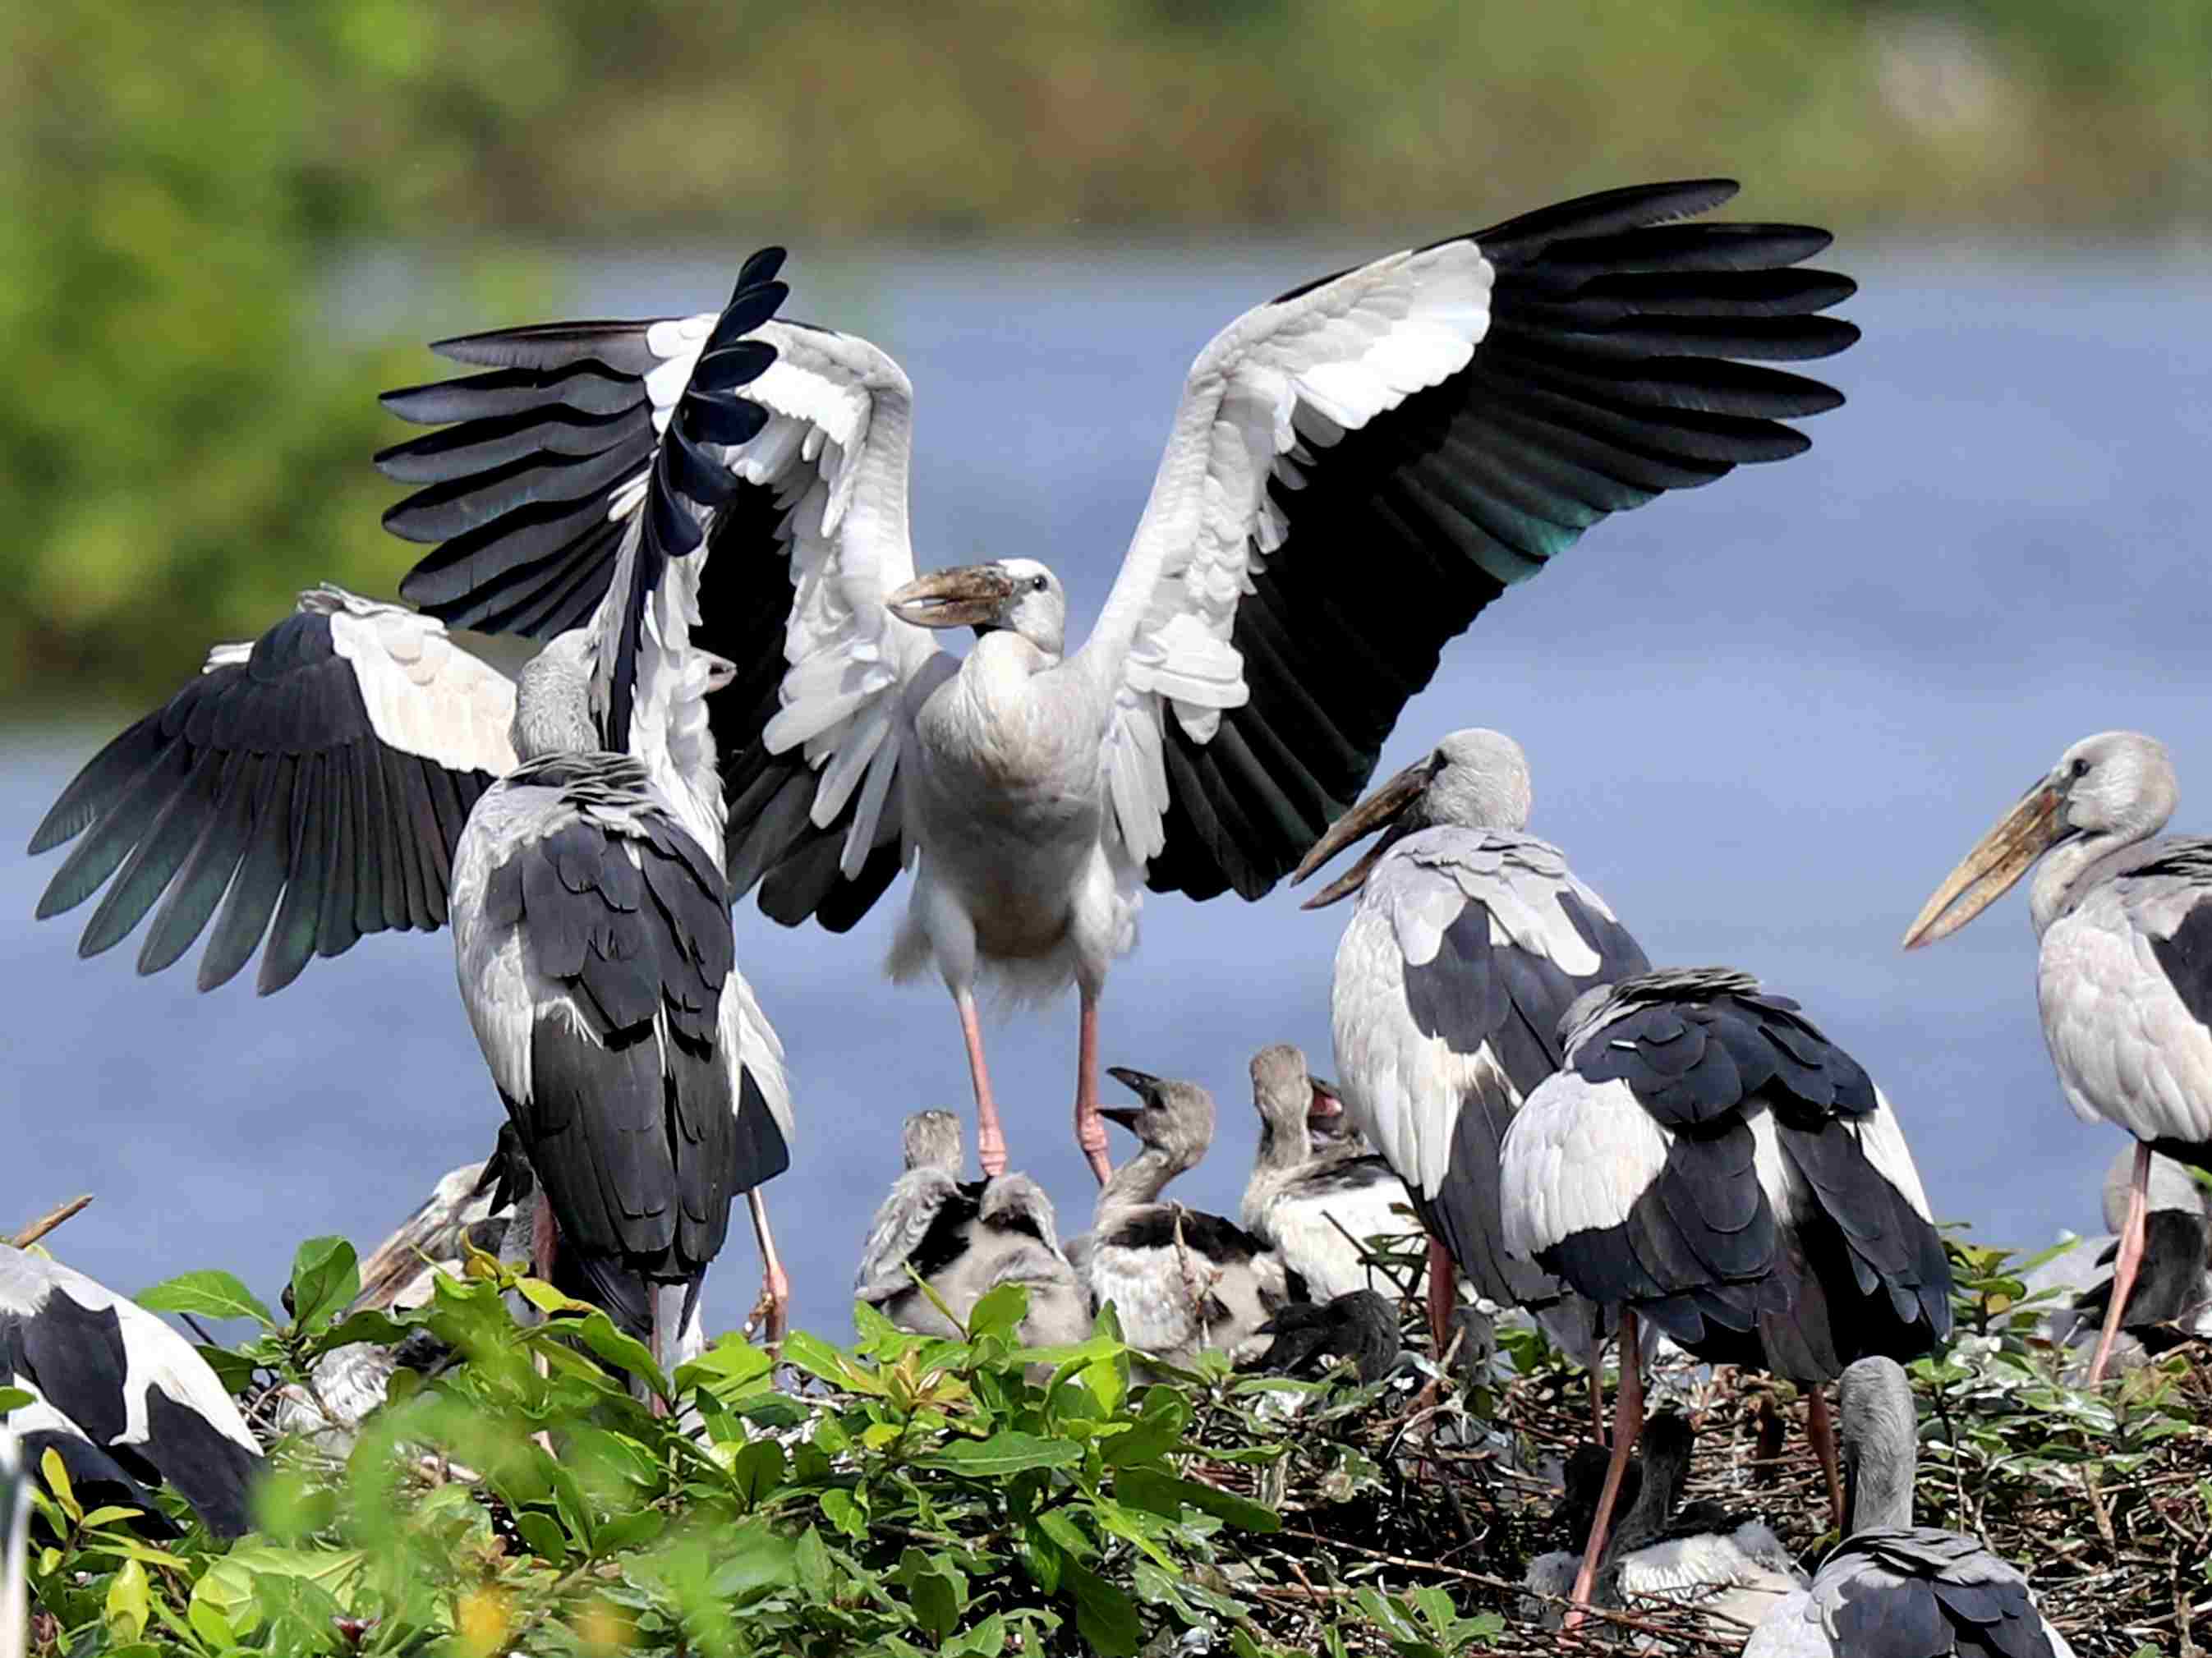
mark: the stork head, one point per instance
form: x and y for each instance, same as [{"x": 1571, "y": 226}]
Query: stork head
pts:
[
  {"x": 931, "y": 1140},
  {"x": 1475, "y": 779},
  {"x": 553, "y": 699},
  {"x": 1290, "y": 1099},
  {"x": 1015, "y": 595},
  {"x": 1175, "y": 1119},
  {"x": 2118, "y": 786}
]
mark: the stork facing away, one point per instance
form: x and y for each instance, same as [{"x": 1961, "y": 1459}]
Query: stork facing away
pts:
[
  {"x": 963, "y": 1239},
  {"x": 122, "y": 1399},
  {"x": 1469, "y": 940},
  {"x": 1708, "y": 1162},
  {"x": 1354, "y": 472},
  {"x": 316, "y": 785},
  {"x": 1892, "y": 1589},
  {"x": 2124, "y": 972}
]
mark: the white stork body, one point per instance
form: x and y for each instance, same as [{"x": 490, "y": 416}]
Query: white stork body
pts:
[
  {"x": 125, "y": 1399},
  {"x": 1468, "y": 943},
  {"x": 317, "y": 785},
  {"x": 1355, "y": 470},
  {"x": 1892, "y": 1589},
  {"x": 2123, "y": 975},
  {"x": 1707, "y": 1161}
]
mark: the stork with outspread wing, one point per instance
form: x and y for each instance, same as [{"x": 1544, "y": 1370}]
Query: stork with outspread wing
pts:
[{"x": 1355, "y": 471}]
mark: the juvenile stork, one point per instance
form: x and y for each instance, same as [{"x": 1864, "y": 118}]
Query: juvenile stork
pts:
[
  {"x": 1316, "y": 1207},
  {"x": 1469, "y": 940},
  {"x": 963, "y": 1239},
  {"x": 1892, "y": 1589},
  {"x": 1180, "y": 1279},
  {"x": 314, "y": 785},
  {"x": 123, "y": 1400},
  {"x": 1356, "y": 470},
  {"x": 2125, "y": 970},
  {"x": 1709, "y": 1162}
]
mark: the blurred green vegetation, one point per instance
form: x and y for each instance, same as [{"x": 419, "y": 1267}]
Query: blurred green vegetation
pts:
[{"x": 185, "y": 439}]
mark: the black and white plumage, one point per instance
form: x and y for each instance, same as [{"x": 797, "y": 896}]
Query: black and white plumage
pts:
[
  {"x": 1470, "y": 939},
  {"x": 1731, "y": 1567},
  {"x": 2171, "y": 1301},
  {"x": 123, "y": 1399},
  {"x": 1708, "y": 1163},
  {"x": 314, "y": 785},
  {"x": 1315, "y": 1207},
  {"x": 2123, "y": 975},
  {"x": 1355, "y": 471},
  {"x": 964, "y": 1239},
  {"x": 592, "y": 938},
  {"x": 1180, "y": 1280},
  {"x": 1892, "y": 1589}
]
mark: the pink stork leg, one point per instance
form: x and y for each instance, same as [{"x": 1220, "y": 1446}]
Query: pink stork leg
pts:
[
  {"x": 775, "y": 1304},
  {"x": 2123, "y": 1270},
  {"x": 1444, "y": 1284},
  {"x": 990, "y": 1139},
  {"x": 1090, "y": 1127},
  {"x": 1820, "y": 1429},
  {"x": 1627, "y": 1423}
]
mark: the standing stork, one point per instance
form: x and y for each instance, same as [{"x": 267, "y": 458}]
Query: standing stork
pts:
[
  {"x": 1470, "y": 940},
  {"x": 2124, "y": 971},
  {"x": 1355, "y": 471},
  {"x": 1709, "y": 1162},
  {"x": 314, "y": 785}
]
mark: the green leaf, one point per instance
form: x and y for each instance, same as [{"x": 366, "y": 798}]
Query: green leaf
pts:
[
  {"x": 757, "y": 1470},
  {"x": 819, "y": 1359},
  {"x": 1161, "y": 1493},
  {"x": 753, "y": 1561},
  {"x": 57, "y": 1482},
  {"x": 842, "y": 1511},
  {"x": 325, "y": 1276},
  {"x": 1104, "y": 1614},
  {"x": 540, "y": 1531},
  {"x": 1158, "y": 1430},
  {"x": 205, "y": 1294},
  {"x": 997, "y": 1312},
  {"x": 1005, "y": 1453},
  {"x": 127, "y": 1607},
  {"x": 109, "y": 1515},
  {"x": 14, "y": 1398},
  {"x": 210, "y": 1625},
  {"x": 580, "y": 1321},
  {"x": 629, "y": 1531},
  {"x": 810, "y": 1564},
  {"x": 729, "y": 1371}
]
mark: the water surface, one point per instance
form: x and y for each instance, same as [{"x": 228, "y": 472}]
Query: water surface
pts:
[{"x": 1763, "y": 717}]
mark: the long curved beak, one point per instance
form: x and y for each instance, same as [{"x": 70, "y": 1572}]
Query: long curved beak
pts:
[
  {"x": 1142, "y": 1084},
  {"x": 721, "y": 672},
  {"x": 960, "y": 597},
  {"x": 1998, "y": 859},
  {"x": 1121, "y": 1116},
  {"x": 1379, "y": 811}
]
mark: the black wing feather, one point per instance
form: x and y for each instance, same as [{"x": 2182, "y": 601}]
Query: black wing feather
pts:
[
  {"x": 260, "y": 789},
  {"x": 1609, "y": 375}
]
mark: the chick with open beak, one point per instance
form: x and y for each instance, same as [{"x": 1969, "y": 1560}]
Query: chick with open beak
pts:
[{"x": 2124, "y": 962}]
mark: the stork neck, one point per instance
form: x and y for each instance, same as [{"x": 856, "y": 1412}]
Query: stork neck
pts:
[
  {"x": 1878, "y": 1472},
  {"x": 1140, "y": 1179},
  {"x": 1282, "y": 1148},
  {"x": 2066, "y": 871}
]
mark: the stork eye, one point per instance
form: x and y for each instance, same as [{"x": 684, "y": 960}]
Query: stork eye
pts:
[
  {"x": 2081, "y": 768},
  {"x": 1037, "y": 584}
]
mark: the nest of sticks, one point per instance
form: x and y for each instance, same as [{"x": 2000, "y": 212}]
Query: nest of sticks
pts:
[{"x": 2108, "y": 1508}]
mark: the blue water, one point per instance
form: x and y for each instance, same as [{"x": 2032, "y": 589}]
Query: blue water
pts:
[{"x": 1765, "y": 718}]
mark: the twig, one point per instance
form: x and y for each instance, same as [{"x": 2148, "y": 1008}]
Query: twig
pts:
[{"x": 46, "y": 1223}]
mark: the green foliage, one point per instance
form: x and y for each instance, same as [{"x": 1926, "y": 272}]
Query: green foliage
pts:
[{"x": 186, "y": 439}]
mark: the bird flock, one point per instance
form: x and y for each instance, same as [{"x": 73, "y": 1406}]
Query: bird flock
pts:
[{"x": 742, "y": 684}]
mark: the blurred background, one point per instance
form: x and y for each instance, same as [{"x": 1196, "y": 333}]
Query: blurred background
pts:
[{"x": 1764, "y": 717}]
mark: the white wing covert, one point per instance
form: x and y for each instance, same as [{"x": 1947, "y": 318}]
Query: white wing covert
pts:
[{"x": 1357, "y": 468}]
